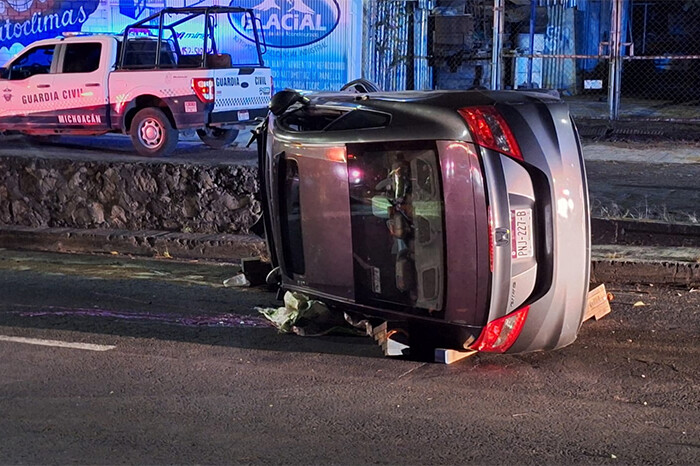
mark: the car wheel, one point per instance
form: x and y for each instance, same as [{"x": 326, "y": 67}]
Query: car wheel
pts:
[
  {"x": 360, "y": 86},
  {"x": 217, "y": 138},
  {"x": 152, "y": 134}
]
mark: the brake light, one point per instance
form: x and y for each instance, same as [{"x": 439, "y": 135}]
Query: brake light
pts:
[
  {"x": 500, "y": 334},
  {"x": 204, "y": 89},
  {"x": 490, "y": 130}
]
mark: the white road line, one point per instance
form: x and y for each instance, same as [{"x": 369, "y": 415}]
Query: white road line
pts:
[{"x": 60, "y": 344}]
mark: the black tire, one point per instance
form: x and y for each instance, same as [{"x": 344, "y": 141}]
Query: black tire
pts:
[
  {"x": 360, "y": 86},
  {"x": 217, "y": 138},
  {"x": 152, "y": 134},
  {"x": 42, "y": 139}
]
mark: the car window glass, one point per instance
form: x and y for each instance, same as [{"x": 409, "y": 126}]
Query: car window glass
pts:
[
  {"x": 35, "y": 61},
  {"x": 359, "y": 119},
  {"x": 82, "y": 57},
  {"x": 397, "y": 224},
  {"x": 290, "y": 215}
]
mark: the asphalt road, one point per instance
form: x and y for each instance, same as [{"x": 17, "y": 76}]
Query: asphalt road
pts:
[{"x": 196, "y": 376}]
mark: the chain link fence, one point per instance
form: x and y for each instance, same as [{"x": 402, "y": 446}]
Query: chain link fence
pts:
[
  {"x": 459, "y": 44},
  {"x": 661, "y": 61},
  {"x": 562, "y": 45},
  {"x": 609, "y": 59}
]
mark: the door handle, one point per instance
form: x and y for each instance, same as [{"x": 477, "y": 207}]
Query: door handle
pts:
[
  {"x": 42, "y": 86},
  {"x": 92, "y": 85}
]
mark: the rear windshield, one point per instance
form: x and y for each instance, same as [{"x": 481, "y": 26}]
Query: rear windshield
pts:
[{"x": 397, "y": 225}]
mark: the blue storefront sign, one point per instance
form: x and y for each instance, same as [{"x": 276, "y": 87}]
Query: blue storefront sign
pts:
[
  {"x": 25, "y": 21},
  {"x": 311, "y": 44},
  {"x": 290, "y": 24}
]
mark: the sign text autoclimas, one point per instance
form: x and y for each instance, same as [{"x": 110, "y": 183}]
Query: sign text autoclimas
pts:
[
  {"x": 25, "y": 21},
  {"x": 289, "y": 23}
]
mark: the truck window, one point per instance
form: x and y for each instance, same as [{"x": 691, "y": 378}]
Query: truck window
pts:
[
  {"x": 34, "y": 61},
  {"x": 82, "y": 57},
  {"x": 141, "y": 53}
]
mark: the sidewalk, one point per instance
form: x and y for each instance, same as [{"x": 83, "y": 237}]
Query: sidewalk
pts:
[{"x": 649, "y": 152}]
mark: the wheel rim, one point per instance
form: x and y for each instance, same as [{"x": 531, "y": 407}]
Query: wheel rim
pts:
[{"x": 151, "y": 133}]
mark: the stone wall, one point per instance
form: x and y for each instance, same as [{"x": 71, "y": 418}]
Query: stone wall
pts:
[{"x": 145, "y": 195}]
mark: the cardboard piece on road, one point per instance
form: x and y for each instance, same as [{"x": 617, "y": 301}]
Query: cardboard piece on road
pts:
[
  {"x": 448, "y": 356},
  {"x": 598, "y": 304}
]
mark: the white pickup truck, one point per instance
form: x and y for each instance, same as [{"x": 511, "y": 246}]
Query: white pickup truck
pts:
[{"x": 95, "y": 84}]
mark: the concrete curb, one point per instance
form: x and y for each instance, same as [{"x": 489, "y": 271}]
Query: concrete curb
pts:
[
  {"x": 220, "y": 247},
  {"x": 659, "y": 272},
  {"x": 610, "y": 263},
  {"x": 601, "y": 129},
  {"x": 634, "y": 232}
]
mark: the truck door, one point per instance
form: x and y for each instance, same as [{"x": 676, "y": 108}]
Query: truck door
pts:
[
  {"x": 81, "y": 84},
  {"x": 28, "y": 96}
]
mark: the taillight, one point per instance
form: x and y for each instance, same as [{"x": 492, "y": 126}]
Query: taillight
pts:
[
  {"x": 500, "y": 334},
  {"x": 490, "y": 130},
  {"x": 204, "y": 89}
]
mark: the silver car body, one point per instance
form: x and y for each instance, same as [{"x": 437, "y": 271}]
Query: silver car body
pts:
[{"x": 492, "y": 238}]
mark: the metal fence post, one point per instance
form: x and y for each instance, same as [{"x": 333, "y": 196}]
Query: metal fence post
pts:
[
  {"x": 497, "y": 48},
  {"x": 615, "y": 73}
]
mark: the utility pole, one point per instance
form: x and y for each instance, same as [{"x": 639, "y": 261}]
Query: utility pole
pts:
[
  {"x": 615, "y": 71},
  {"x": 497, "y": 48}
]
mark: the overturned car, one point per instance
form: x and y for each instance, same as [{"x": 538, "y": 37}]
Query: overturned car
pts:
[{"x": 460, "y": 216}]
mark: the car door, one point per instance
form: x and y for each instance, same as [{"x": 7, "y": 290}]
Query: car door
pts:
[
  {"x": 28, "y": 97},
  {"x": 81, "y": 83}
]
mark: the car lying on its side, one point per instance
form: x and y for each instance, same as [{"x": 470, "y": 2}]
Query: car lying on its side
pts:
[{"x": 461, "y": 214}]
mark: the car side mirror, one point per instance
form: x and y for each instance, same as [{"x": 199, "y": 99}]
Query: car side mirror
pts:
[{"x": 281, "y": 101}]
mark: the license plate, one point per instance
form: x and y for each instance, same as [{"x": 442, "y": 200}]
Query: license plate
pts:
[
  {"x": 521, "y": 226},
  {"x": 243, "y": 115}
]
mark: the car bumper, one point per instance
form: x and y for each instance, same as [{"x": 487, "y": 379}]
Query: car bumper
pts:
[{"x": 558, "y": 300}]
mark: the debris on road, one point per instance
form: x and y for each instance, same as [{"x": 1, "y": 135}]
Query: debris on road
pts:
[
  {"x": 237, "y": 280},
  {"x": 255, "y": 270},
  {"x": 306, "y": 317},
  {"x": 598, "y": 303},
  {"x": 449, "y": 356}
]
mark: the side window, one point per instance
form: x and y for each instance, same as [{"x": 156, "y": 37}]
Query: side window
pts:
[
  {"x": 34, "y": 61},
  {"x": 290, "y": 215},
  {"x": 82, "y": 57},
  {"x": 141, "y": 53}
]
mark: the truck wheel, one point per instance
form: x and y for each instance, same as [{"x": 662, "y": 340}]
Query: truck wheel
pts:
[
  {"x": 217, "y": 138},
  {"x": 152, "y": 134}
]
